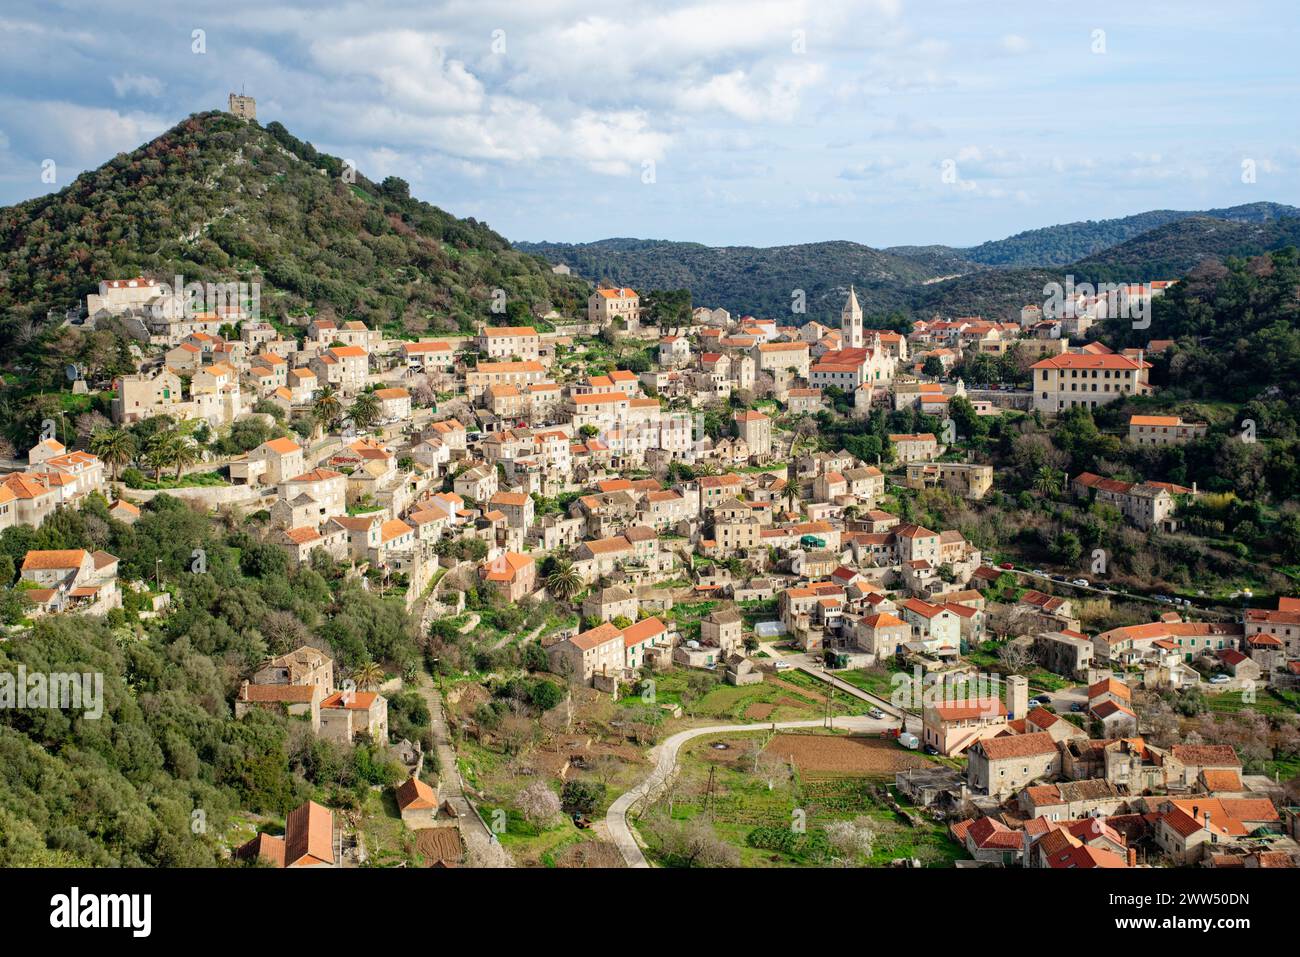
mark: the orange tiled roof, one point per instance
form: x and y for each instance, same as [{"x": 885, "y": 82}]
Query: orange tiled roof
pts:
[{"x": 54, "y": 559}]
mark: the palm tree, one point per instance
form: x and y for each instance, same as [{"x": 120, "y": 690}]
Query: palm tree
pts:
[
  {"x": 1047, "y": 480},
  {"x": 185, "y": 452},
  {"x": 170, "y": 448},
  {"x": 159, "y": 451},
  {"x": 792, "y": 497},
  {"x": 365, "y": 411},
  {"x": 564, "y": 581},
  {"x": 114, "y": 446},
  {"x": 327, "y": 407},
  {"x": 369, "y": 675}
]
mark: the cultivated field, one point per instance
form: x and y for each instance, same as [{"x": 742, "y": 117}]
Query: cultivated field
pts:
[{"x": 820, "y": 753}]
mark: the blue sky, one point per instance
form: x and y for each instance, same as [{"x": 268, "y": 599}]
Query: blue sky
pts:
[{"x": 753, "y": 122}]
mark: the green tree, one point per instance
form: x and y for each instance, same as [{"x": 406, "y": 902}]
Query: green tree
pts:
[
  {"x": 365, "y": 410},
  {"x": 116, "y": 447},
  {"x": 368, "y": 675},
  {"x": 563, "y": 581},
  {"x": 327, "y": 408},
  {"x": 1048, "y": 481}
]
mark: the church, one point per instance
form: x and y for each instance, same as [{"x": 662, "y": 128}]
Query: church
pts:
[{"x": 864, "y": 358}]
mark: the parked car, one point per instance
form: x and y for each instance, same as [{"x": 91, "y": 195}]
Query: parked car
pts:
[
  {"x": 876, "y": 713},
  {"x": 1219, "y": 679},
  {"x": 911, "y": 741},
  {"x": 931, "y": 749},
  {"x": 1164, "y": 598},
  {"x": 1039, "y": 572},
  {"x": 1081, "y": 582},
  {"x": 1076, "y": 707},
  {"x": 1007, "y": 565},
  {"x": 781, "y": 665},
  {"x": 1059, "y": 578},
  {"x": 1042, "y": 699}
]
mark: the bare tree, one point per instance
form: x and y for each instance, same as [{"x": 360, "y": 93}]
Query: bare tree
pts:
[
  {"x": 1016, "y": 656},
  {"x": 88, "y": 423},
  {"x": 590, "y": 854},
  {"x": 487, "y": 854},
  {"x": 283, "y": 631},
  {"x": 516, "y": 733},
  {"x": 694, "y": 843},
  {"x": 604, "y": 766}
]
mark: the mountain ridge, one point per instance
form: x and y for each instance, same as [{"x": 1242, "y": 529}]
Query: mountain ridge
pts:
[{"x": 911, "y": 279}]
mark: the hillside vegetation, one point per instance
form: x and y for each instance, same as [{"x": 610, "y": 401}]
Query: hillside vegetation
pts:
[
  {"x": 994, "y": 279},
  {"x": 218, "y": 199}
]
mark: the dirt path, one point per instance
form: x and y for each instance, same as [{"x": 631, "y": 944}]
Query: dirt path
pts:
[{"x": 450, "y": 786}]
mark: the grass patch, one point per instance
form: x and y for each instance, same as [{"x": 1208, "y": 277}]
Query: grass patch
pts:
[{"x": 774, "y": 818}]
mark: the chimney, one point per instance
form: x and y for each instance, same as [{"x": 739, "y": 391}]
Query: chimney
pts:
[
  {"x": 1024, "y": 856},
  {"x": 1132, "y": 857}
]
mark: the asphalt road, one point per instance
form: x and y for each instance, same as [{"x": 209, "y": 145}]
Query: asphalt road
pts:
[{"x": 1098, "y": 589}]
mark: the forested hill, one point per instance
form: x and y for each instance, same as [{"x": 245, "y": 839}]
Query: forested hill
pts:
[
  {"x": 1070, "y": 242},
  {"x": 1178, "y": 247},
  {"x": 218, "y": 199},
  {"x": 993, "y": 279},
  {"x": 748, "y": 279}
]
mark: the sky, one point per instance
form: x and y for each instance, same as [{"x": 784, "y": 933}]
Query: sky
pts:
[{"x": 726, "y": 122}]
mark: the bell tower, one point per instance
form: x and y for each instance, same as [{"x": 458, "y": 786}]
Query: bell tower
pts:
[{"x": 851, "y": 322}]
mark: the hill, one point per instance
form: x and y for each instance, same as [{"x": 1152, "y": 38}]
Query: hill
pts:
[
  {"x": 991, "y": 293},
  {"x": 748, "y": 279},
  {"x": 993, "y": 279},
  {"x": 1070, "y": 242},
  {"x": 1178, "y": 247},
  {"x": 218, "y": 199}
]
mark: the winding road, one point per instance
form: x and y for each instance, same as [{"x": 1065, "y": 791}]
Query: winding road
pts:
[{"x": 664, "y": 756}]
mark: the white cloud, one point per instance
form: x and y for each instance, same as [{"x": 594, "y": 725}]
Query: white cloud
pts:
[
  {"x": 1014, "y": 44},
  {"x": 128, "y": 84},
  {"x": 776, "y": 98},
  {"x": 411, "y": 68},
  {"x": 74, "y": 135},
  {"x": 870, "y": 169}
]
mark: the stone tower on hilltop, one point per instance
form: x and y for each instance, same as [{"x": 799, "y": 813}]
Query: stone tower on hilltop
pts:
[
  {"x": 851, "y": 322},
  {"x": 244, "y": 107}
]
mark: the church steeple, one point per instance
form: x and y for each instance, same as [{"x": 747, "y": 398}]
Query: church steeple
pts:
[{"x": 851, "y": 321}]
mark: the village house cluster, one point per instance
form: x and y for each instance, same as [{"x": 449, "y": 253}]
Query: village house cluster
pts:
[{"x": 506, "y": 446}]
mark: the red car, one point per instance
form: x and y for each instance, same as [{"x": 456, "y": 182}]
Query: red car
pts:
[{"x": 1007, "y": 565}]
